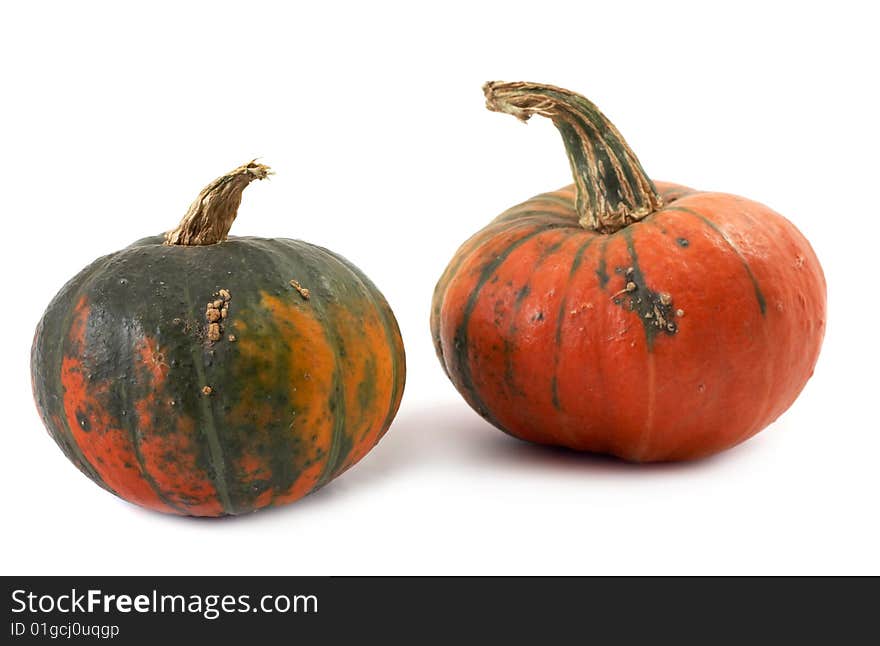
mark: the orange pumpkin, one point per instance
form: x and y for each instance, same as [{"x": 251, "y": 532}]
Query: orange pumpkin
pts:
[{"x": 649, "y": 321}]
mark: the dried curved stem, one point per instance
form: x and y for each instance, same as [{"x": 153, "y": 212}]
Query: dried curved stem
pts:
[{"x": 209, "y": 217}]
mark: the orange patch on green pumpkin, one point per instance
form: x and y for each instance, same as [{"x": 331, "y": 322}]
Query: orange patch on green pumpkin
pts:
[
  {"x": 102, "y": 441},
  {"x": 169, "y": 443}
]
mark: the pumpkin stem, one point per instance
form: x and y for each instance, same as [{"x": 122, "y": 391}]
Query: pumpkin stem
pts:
[
  {"x": 209, "y": 217},
  {"x": 613, "y": 190}
]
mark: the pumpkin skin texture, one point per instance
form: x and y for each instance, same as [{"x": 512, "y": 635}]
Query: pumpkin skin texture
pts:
[
  {"x": 674, "y": 337},
  {"x": 151, "y": 405}
]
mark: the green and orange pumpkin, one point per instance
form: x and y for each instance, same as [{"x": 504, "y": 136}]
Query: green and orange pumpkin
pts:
[
  {"x": 617, "y": 315},
  {"x": 207, "y": 375}
]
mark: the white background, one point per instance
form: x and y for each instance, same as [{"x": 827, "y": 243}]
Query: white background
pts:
[{"x": 114, "y": 117}]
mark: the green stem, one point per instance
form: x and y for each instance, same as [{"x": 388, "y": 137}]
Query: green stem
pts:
[{"x": 612, "y": 189}]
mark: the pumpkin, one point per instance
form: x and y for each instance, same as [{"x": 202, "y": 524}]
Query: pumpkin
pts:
[
  {"x": 616, "y": 315},
  {"x": 206, "y": 375}
]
